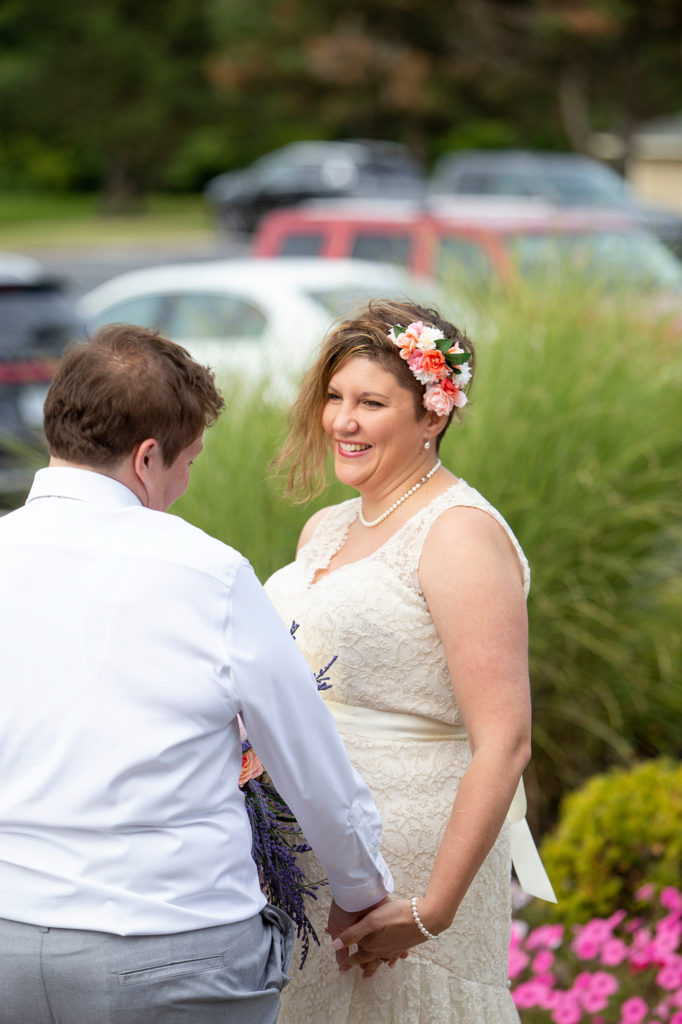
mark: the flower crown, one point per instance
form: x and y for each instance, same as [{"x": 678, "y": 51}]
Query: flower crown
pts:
[{"x": 437, "y": 362}]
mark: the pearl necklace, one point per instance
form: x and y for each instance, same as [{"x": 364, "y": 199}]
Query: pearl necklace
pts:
[{"x": 394, "y": 506}]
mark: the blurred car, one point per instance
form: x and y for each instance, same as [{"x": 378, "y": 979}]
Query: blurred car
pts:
[
  {"x": 478, "y": 241},
  {"x": 37, "y": 320},
  {"x": 564, "y": 179},
  {"x": 249, "y": 319},
  {"x": 309, "y": 170}
]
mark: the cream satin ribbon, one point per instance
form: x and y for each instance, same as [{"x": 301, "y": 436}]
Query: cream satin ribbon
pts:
[{"x": 392, "y": 725}]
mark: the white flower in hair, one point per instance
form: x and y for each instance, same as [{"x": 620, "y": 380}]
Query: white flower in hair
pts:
[
  {"x": 464, "y": 375},
  {"x": 428, "y": 338}
]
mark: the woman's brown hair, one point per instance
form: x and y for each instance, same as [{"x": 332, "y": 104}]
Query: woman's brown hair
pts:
[{"x": 365, "y": 334}]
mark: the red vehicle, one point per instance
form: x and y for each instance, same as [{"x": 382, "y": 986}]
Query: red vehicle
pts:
[{"x": 477, "y": 241}]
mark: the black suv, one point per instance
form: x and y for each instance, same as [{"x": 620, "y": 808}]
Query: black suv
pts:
[
  {"x": 314, "y": 170},
  {"x": 37, "y": 320}
]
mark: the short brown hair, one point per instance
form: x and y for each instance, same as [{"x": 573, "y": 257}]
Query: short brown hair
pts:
[
  {"x": 364, "y": 334},
  {"x": 123, "y": 386}
]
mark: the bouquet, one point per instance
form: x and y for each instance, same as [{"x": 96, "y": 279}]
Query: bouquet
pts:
[
  {"x": 614, "y": 970},
  {"x": 277, "y": 836}
]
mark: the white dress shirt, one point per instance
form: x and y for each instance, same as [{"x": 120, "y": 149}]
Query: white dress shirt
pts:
[{"x": 129, "y": 641}]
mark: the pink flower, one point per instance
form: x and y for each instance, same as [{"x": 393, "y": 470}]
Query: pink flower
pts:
[
  {"x": 517, "y": 961},
  {"x": 604, "y": 983},
  {"x": 645, "y": 892},
  {"x": 528, "y": 993},
  {"x": 543, "y": 962},
  {"x": 582, "y": 981},
  {"x": 676, "y": 1018},
  {"x": 670, "y": 976},
  {"x": 633, "y": 1011},
  {"x": 614, "y": 951},
  {"x": 594, "y": 1001},
  {"x": 439, "y": 402},
  {"x": 586, "y": 947},
  {"x": 667, "y": 938},
  {"x": 566, "y": 1009},
  {"x": 547, "y": 935},
  {"x": 671, "y": 899}
]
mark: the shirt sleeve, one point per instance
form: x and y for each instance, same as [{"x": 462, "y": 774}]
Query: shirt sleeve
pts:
[{"x": 296, "y": 738}]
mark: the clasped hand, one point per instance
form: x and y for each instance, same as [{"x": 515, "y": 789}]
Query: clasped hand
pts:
[{"x": 383, "y": 934}]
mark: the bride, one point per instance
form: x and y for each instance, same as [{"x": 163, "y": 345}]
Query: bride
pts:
[{"x": 418, "y": 586}]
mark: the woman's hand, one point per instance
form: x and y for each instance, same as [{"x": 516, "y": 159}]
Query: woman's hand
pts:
[{"x": 384, "y": 934}]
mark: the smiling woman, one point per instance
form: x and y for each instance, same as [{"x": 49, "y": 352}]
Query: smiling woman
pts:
[{"x": 418, "y": 585}]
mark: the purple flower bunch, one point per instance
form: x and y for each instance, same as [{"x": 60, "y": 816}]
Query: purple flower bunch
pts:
[
  {"x": 278, "y": 839},
  {"x": 614, "y": 970}
]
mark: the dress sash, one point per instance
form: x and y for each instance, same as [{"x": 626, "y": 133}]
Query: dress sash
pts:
[{"x": 392, "y": 725}]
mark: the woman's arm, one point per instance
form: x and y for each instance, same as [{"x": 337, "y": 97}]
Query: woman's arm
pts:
[{"x": 471, "y": 579}]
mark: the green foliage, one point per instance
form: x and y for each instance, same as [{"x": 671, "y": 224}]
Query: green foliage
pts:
[
  {"x": 125, "y": 81},
  {"x": 621, "y": 830},
  {"x": 573, "y": 433}
]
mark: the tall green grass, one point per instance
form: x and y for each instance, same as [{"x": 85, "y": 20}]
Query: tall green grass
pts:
[
  {"x": 574, "y": 431},
  {"x": 575, "y": 434}
]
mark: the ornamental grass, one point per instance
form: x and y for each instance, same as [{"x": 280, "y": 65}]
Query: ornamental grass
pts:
[{"x": 573, "y": 431}]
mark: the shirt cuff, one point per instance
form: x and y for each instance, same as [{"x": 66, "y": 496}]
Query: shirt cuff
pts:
[{"x": 359, "y": 897}]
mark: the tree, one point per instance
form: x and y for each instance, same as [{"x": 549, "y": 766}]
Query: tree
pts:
[{"x": 114, "y": 79}]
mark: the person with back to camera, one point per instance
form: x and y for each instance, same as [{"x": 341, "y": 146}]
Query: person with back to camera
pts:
[
  {"x": 419, "y": 586},
  {"x": 130, "y": 643}
]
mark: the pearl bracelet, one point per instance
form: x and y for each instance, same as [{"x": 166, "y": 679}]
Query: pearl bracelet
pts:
[{"x": 417, "y": 920}]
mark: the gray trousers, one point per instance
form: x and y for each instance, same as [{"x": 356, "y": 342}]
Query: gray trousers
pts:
[{"x": 231, "y": 973}]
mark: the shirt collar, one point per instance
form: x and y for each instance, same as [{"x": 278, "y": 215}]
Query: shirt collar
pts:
[{"x": 80, "y": 485}]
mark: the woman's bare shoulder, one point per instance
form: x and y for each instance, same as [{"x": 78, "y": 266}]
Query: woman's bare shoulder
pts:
[{"x": 311, "y": 525}]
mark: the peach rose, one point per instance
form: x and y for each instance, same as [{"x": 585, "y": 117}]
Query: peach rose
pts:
[
  {"x": 409, "y": 339},
  {"x": 437, "y": 401},
  {"x": 251, "y": 767},
  {"x": 433, "y": 361},
  {"x": 451, "y": 388}
]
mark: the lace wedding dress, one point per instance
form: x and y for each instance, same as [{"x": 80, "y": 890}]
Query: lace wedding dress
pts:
[{"x": 373, "y": 616}]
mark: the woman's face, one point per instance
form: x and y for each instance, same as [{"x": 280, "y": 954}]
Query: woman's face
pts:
[{"x": 369, "y": 418}]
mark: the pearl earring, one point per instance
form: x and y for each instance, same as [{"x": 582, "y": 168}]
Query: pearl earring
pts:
[{"x": 427, "y": 444}]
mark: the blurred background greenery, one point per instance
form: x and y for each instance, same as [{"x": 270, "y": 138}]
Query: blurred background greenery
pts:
[{"x": 122, "y": 98}]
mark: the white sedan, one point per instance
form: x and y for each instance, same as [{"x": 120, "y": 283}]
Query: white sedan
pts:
[{"x": 258, "y": 319}]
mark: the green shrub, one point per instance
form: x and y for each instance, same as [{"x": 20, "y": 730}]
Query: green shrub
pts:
[{"x": 621, "y": 830}]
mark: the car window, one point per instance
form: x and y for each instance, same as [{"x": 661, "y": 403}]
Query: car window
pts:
[
  {"x": 387, "y": 247},
  {"x": 608, "y": 258},
  {"x": 144, "y": 311},
  {"x": 307, "y": 243},
  {"x": 502, "y": 182},
  {"x": 35, "y": 319},
  {"x": 577, "y": 186},
  {"x": 463, "y": 257},
  {"x": 212, "y": 315},
  {"x": 294, "y": 179}
]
